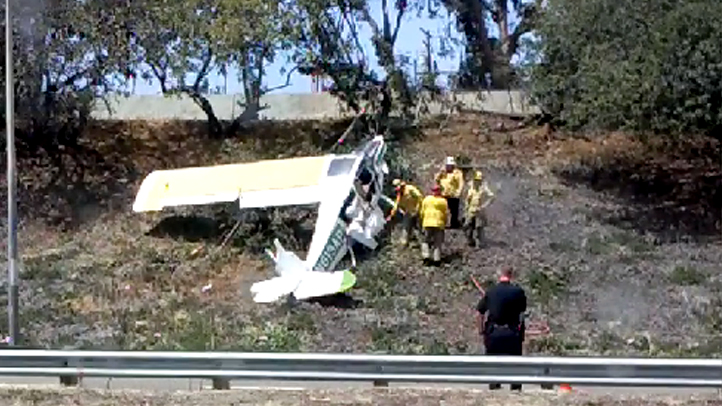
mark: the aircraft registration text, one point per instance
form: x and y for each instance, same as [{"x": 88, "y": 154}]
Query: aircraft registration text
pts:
[{"x": 336, "y": 241}]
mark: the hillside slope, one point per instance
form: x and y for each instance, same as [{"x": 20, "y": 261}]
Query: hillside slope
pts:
[{"x": 616, "y": 243}]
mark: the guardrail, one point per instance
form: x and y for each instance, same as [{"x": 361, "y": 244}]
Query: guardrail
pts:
[{"x": 222, "y": 367}]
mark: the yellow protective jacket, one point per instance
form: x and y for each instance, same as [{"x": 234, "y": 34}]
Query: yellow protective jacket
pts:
[
  {"x": 477, "y": 198},
  {"x": 409, "y": 201},
  {"x": 434, "y": 212},
  {"x": 452, "y": 183}
]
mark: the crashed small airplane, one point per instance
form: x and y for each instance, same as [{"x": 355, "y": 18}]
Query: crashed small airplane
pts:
[{"x": 349, "y": 188}]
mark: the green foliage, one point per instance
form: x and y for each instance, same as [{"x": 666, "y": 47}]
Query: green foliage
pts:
[
  {"x": 546, "y": 284},
  {"x": 633, "y": 64},
  {"x": 683, "y": 275},
  {"x": 64, "y": 56},
  {"x": 486, "y": 54},
  {"x": 180, "y": 43},
  {"x": 551, "y": 345},
  {"x": 85, "y": 51},
  {"x": 404, "y": 339},
  {"x": 327, "y": 43}
]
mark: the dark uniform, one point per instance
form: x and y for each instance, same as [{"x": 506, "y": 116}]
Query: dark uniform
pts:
[{"x": 503, "y": 331}]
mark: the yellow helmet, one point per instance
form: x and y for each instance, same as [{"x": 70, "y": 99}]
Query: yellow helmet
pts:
[
  {"x": 478, "y": 175},
  {"x": 397, "y": 182}
]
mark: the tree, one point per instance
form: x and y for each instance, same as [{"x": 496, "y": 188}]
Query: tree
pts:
[
  {"x": 637, "y": 64},
  {"x": 492, "y": 56},
  {"x": 66, "y": 56},
  {"x": 430, "y": 72},
  {"x": 181, "y": 43},
  {"x": 252, "y": 34},
  {"x": 384, "y": 40},
  {"x": 328, "y": 44},
  {"x": 171, "y": 42}
]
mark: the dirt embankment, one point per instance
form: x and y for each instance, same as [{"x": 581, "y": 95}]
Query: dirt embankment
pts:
[
  {"x": 386, "y": 397},
  {"x": 615, "y": 241}
]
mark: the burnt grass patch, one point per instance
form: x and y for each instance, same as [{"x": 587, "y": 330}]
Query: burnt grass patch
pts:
[
  {"x": 675, "y": 197},
  {"x": 96, "y": 275}
]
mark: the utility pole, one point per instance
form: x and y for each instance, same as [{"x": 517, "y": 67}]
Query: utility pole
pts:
[{"x": 12, "y": 204}]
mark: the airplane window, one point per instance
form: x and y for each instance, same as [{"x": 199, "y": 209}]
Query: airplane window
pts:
[{"x": 341, "y": 166}]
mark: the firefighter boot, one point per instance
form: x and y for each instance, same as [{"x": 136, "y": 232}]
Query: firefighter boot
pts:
[
  {"x": 424, "y": 251},
  {"x": 469, "y": 231},
  {"x": 437, "y": 254},
  {"x": 480, "y": 236},
  {"x": 470, "y": 236},
  {"x": 404, "y": 240}
]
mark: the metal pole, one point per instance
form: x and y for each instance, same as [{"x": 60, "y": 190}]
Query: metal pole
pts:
[{"x": 12, "y": 205}]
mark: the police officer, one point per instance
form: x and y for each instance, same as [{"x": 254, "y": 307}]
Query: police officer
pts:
[{"x": 501, "y": 319}]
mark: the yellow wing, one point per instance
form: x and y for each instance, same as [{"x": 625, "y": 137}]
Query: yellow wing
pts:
[{"x": 258, "y": 184}]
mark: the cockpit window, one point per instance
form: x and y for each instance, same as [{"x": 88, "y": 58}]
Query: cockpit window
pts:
[{"x": 365, "y": 176}]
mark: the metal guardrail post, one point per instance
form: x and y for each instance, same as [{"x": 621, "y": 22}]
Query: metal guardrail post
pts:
[
  {"x": 221, "y": 384},
  {"x": 69, "y": 380},
  {"x": 380, "y": 383},
  {"x": 547, "y": 386}
]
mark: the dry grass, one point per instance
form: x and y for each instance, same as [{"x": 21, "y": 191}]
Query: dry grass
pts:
[
  {"x": 602, "y": 230},
  {"x": 384, "y": 397},
  {"x": 118, "y": 279},
  {"x": 97, "y": 275}
]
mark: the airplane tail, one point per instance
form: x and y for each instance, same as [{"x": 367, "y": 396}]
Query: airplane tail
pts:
[
  {"x": 286, "y": 261},
  {"x": 287, "y": 264},
  {"x": 271, "y": 290},
  {"x": 295, "y": 277}
]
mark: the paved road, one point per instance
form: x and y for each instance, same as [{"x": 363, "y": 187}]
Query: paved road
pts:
[{"x": 199, "y": 384}]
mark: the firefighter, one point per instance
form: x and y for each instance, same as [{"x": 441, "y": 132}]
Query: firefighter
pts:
[
  {"x": 477, "y": 199},
  {"x": 501, "y": 319},
  {"x": 408, "y": 199},
  {"x": 451, "y": 180},
  {"x": 434, "y": 215}
]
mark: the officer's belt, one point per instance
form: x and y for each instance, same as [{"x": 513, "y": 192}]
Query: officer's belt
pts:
[{"x": 509, "y": 326}]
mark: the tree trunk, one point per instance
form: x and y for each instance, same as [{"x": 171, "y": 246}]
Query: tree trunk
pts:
[
  {"x": 502, "y": 77},
  {"x": 471, "y": 19},
  {"x": 215, "y": 128}
]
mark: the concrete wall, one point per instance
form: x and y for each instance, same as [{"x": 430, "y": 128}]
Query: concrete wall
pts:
[{"x": 286, "y": 106}]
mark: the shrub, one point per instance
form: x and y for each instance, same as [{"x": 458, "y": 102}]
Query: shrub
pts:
[{"x": 645, "y": 65}]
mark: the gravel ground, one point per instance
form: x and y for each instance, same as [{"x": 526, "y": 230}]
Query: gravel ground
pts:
[{"x": 390, "y": 397}]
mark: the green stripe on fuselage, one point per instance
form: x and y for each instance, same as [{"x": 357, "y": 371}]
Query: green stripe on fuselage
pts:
[{"x": 335, "y": 243}]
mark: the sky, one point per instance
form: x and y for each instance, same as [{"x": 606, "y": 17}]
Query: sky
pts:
[{"x": 409, "y": 43}]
